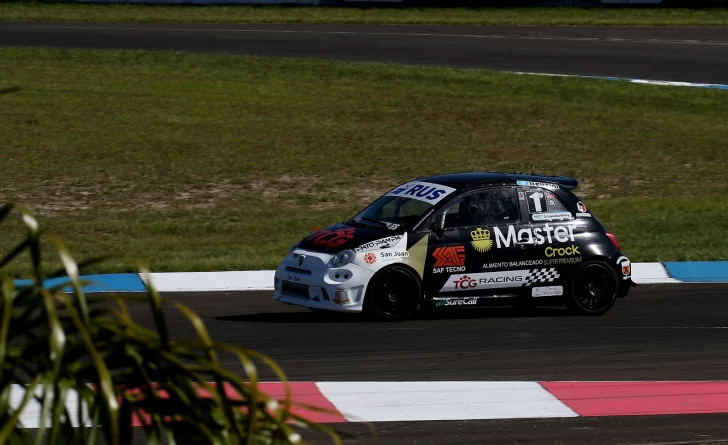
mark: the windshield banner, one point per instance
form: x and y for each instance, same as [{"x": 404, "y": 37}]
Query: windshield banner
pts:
[{"x": 423, "y": 191}]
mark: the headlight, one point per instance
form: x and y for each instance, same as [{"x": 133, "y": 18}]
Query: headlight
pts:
[{"x": 343, "y": 258}]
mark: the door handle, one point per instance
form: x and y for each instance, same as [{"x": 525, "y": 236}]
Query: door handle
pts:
[{"x": 525, "y": 243}]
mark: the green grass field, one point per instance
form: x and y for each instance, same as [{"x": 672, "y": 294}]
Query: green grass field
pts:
[
  {"x": 198, "y": 162},
  {"x": 449, "y": 16}
]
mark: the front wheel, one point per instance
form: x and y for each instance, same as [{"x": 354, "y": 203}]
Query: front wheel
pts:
[
  {"x": 393, "y": 294},
  {"x": 593, "y": 290}
]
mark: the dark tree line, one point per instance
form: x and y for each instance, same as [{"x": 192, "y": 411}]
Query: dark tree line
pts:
[{"x": 521, "y": 3}]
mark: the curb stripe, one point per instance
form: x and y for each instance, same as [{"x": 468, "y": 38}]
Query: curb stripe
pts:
[
  {"x": 642, "y": 273},
  {"x": 421, "y": 401},
  {"x": 303, "y": 393},
  {"x": 307, "y": 393},
  {"x": 651, "y": 273},
  {"x": 120, "y": 282},
  {"x": 213, "y": 281},
  {"x": 473, "y": 400},
  {"x": 699, "y": 271},
  {"x": 641, "y": 398}
]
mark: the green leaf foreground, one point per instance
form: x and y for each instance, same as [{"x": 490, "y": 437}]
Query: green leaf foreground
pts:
[{"x": 56, "y": 343}]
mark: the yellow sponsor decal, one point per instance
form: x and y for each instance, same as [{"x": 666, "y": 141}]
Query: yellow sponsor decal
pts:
[
  {"x": 551, "y": 252},
  {"x": 481, "y": 240}
]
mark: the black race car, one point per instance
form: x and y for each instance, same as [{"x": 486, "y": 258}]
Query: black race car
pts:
[{"x": 458, "y": 240}]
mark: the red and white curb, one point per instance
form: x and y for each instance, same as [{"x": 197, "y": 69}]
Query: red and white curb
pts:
[
  {"x": 478, "y": 400},
  {"x": 642, "y": 273}
]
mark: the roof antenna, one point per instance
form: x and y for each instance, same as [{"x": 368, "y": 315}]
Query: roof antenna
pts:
[{"x": 533, "y": 169}]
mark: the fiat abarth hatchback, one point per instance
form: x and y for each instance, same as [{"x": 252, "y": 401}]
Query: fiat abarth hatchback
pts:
[{"x": 456, "y": 241}]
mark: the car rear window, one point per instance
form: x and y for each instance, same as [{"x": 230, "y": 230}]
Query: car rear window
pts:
[{"x": 544, "y": 205}]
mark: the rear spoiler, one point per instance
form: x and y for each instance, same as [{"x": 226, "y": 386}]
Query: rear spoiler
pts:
[{"x": 566, "y": 182}]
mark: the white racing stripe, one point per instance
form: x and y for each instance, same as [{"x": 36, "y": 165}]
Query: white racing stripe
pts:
[{"x": 417, "y": 401}]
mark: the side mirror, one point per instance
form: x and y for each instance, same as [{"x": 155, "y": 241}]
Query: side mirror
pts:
[{"x": 438, "y": 224}]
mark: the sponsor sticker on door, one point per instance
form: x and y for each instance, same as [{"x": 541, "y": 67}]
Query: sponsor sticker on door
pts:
[
  {"x": 494, "y": 280},
  {"x": 449, "y": 259},
  {"x": 550, "y": 216},
  {"x": 547, "y": 291},
  {"x": 481, "y": 240},
  {"x": 552, "y": 252},
  {"x": 538, "y": 235}
]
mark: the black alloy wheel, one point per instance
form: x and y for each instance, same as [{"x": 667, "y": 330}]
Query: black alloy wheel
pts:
[
  {"x": 393, "y": 294},
  {"x": 594, "y": 289}
]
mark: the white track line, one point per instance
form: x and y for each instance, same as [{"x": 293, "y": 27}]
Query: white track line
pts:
[
  {"x": 630, "y": 80},
  {"x": 365, "y": 33}
]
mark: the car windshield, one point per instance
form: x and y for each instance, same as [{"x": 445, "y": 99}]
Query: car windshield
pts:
[
  {"x": 392, "y": 212},
  {"x": 404, "y": 206}
]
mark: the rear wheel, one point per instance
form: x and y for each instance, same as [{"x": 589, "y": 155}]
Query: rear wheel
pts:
[
  {"x": 593, "y": 289},
  {"x": 393, "y": 294}
]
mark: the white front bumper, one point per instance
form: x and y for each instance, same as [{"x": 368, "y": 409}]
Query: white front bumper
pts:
[{"x": 316, "y": 284}]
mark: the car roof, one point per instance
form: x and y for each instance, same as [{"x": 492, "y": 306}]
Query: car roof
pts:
[{"x": 468, "y": 179}]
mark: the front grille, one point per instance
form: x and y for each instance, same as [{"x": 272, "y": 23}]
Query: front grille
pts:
[
  {"x": 298, "y": 270},
  {"x": 296, "y": 290}
]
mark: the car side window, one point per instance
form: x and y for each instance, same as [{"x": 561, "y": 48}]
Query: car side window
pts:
[
  {"x": 545, "y": 205},
  {"x": 502, "y": 206},
  {"x": 489, "y": 207}
]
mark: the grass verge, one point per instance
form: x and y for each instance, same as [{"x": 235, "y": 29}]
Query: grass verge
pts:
[
  {"x": 448, "y": 16},
  {"x": 199, "y": 162}
]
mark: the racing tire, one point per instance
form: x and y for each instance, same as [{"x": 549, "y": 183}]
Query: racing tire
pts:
[
  {"x": 393, "y": 294},
  {"x": 593, "y": 289}
]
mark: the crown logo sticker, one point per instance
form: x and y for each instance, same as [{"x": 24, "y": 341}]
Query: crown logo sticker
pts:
[{"x": 481, "y": 240}]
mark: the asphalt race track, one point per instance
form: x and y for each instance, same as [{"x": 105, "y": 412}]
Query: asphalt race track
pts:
[
  {"x": 670, "y": 332},
  {"x": 673, "y": 54},
  {"x": 667, "y": 332}
]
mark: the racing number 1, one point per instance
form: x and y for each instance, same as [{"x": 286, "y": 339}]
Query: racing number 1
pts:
[{"x": 537, "y": 202}]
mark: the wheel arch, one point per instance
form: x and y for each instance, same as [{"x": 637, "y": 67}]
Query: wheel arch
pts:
[
  {"x": 407, "y": 267},
  {"x": 569, "y": 284},
  {"x": 367, "y": 304}
]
